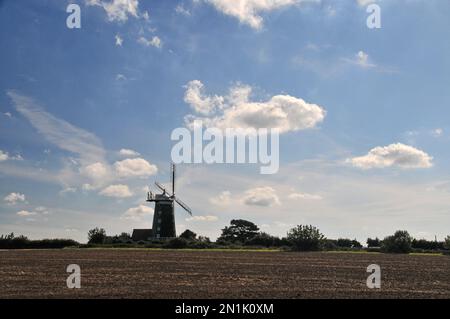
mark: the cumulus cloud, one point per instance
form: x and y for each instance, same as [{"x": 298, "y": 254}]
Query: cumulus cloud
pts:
[
  {"x": 137, "y": 213},
  {"x": 96, "y": 171},
  {"x": 306, "y": 196},
  {"x": 128, "y": 153},
  {"x": 14, "y": 198},
  {"x": 135, "y": 167},
  {"x": 117, "y": 10},
  {"x": 117, "y": 191},
  {"x": 394, "y": 155},
  {"x": 249, "y": 11},
  {"x": 261, "y": 196},
  {"x": 155, "y": 42},
  {"x": 223, "y": 199},
  {"x": 199, "y": 102},
  {"x": 285, "y": 112},
  {"x": 207, "y": 218}
]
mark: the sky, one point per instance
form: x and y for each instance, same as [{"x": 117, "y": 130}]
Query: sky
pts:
[{"x": 86, "y": 114}]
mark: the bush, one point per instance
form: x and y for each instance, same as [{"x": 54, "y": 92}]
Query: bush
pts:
[
  {"x": 306, "y": 238},
  {"x": 427, "y": 244},
  {"x": 188, "y": 235},
  {"x": 22, "y": 242},
  {"x": 264, "y": 240},
  {"x": 176, "y": 243},
  {"x": 96, "y": 236},
  {"x": 330, "y": 244},
  {"x": 399, "y": 243}
]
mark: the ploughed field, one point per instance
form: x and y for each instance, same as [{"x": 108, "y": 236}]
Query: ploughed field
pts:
[{"x": 219, "y": 274}]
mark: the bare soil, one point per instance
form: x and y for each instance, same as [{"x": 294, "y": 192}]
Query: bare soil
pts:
[{"x": 219, "y": 274}]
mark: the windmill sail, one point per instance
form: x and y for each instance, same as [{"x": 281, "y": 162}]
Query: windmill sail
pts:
[{"x": 186, "y": 207}]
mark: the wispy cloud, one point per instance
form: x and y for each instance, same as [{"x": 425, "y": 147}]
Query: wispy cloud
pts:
[{"x": 58, "y": 131}]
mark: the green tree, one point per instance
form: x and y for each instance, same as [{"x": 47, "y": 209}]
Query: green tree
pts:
[
  {"x": 447, "y": 243},
  {"x": 239, "y": 230},
  {"x": 373, "y": 242},
  {"x": 96, "y": 236},
  {"x": 400, "y": 243},
  {"x": 306, "y": 238},
  {"x": 356, "y": 244},
  {"x": 188, "y": 235}
]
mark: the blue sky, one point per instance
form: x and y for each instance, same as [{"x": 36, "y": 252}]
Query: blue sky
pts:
[{"x": 72, "y": 99}]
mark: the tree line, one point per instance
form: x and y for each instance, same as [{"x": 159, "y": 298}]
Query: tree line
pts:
[
  {"x": 244, "y": 234},
  {"x": 241, "y": 234}
]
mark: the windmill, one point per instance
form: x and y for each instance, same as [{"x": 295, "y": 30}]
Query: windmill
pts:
[{"x": 164, "y": 214}]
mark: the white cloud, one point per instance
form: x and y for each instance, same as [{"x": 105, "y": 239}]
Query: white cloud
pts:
[
  {"x": 249, "y": 11},
  {"x": 128, "y": 153},
  {"x": 261, "y": 196},
  {"x": 137, "y": 213},
  {"x": 223, "y": 199},
  {"x": 87, "y": 187},
  {"x": 25, "y": 213},
  {"x": 43, "y": 210},
  {"x": 200, "y": 103},
  {"x": 287, "y": 113},
  {"x": 208, "y": 218},
  {"x": 98, "y": 173},
  {"x": 394, "y": 155},
  {"x": 362, "y": 60},
  {"x": 437, "y": 132},
  {"x": 119, "y": 40},
  {"x": 14, "y": 198},
  {"x": 68, "y": 190},
  {"x": 180, "y": 9},
  {"x": 117, "y": 10},
  {"x": 117, "y": 191},
  {"x": 145, "y": 16},
  {"x": 3, "y": 156},
  {"x": 299, "y": 196},
  {"x": 59, "y": 132},
  {"x": 121, "y": 77},
  {"x": 155, "y": 42},
  {"x": 7, "y": 114},
  {"x": 135, "y": 167}
]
